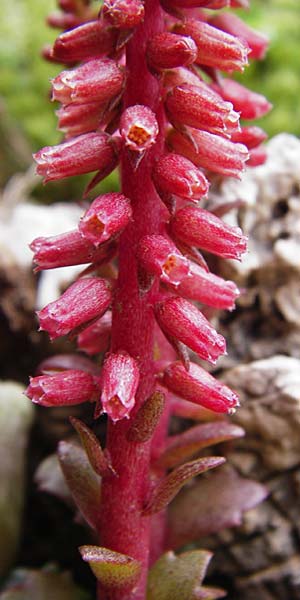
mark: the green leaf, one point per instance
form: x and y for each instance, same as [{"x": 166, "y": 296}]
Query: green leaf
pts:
[
  {"x": 92, "y": 446},
  {"x": 170, "y": 485},
  {"x": 81, "y": 479},
  {"x": 180, "y": 577},
  {"x": 146, "y": 419},
  {"x": 114, "y": 570},
  {"x": 211, "y": 504},
  {"x": 184, "y": 445}
]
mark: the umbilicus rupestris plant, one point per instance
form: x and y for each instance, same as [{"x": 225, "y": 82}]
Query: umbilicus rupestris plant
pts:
[{"x": 147, "y": 94}]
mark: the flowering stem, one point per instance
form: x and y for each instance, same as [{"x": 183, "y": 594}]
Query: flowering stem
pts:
[{"x": 123, "y": 529}]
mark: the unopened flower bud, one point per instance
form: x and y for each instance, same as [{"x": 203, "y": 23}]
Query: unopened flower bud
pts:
[
  {"x": 98, "y": 80},
  {"x": 251, "y": 136},
  {"x": 76, "y": 119},
  {"x": 216, "y": 48},
  {"x": 208, "y": 288},
  {"x": 181, "y": 320},
  {"x": 232, "y": 24},
  {"x": 123, "y": 14},
  {"x": 84, "y": 42},
  {"x": 138, "y": 128},
  {"x": 198, "y": 386},
  {"x": 210, "y": 152},
  {"x": 83, "y": 154},
  {"x": 66, "y": 20},
  {"x": 85, "y": 300},
  {"x": 199, "y": 227},
  {"x": 120, "y": 379},
  {"x": 68, "y": 249},
  {"x": 200, "y": 107},
  {"x": 249, "y": 104},
  {"x": 63, "y": 389},
  {"x": 159, "y": 256},
  {"x": 258, "y": 156},
  {"x": 174, "y": 174},
  {"x": 179, "y": 76},
  {"x": 169, "y": 50},
  {"x": 107, "y": 216},
  {"x": 95, "y": 338}
]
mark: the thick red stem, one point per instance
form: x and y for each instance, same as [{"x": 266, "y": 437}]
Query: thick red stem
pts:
[{"x": 123, "y": 529}]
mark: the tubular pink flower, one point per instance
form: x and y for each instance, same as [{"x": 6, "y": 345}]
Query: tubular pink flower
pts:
[
  {"x": 138, "y": 128},
  {"x": 232, "y": 24},
  {"x": 249, "y": 104},
  {"x": 159, "y": 256},
  {"x": 180, "y": 76},
  {"x": 76, "y": 119},
  {"x": 181, "y": 320},
  {"x": 85, "y": 153},
  {"x": 251, "y": 136},
  {"x": 98, "y": 80},
  {"x": 93, "y": 39},
  {"x": 199, "y": 227},
  {"x": 208, "y": 288},
  {"x": 63, "y": 389},
  {"x": 200, "y": 107},
  {"x": 107, "y": 216},
  {"x": 120, "y": 379},
  {"x": 95, "y": 338},
  {"x": 176, "y": 175},
  {"x": 123, "y": 14},
  {"x": 198, "y": 386},
  {"x": 86, "y": 299},
  {"x": 258, "y": 156},
  {"x": 215, "y": 48},
  {"x": 68, "y": 249},
  {"x": 169, "y": 50},
  {"x": 210, "y": 151}
]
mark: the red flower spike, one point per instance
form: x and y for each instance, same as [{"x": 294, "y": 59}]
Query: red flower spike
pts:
[
  {"x": 200, "y": 387},
  {"x": 211, "y": 152},
  {"x": 208, "y": 288},
  {"x": 93, "y": 39},
  {"x": 199, "y": 227},
  {"x": 107, "y": 216},
  {"x": 65, "y": 388},
  {"x": 232, "y": 24},
  {"x": 95, "y": 338},
  {"x": 200, "y": 107},
  {"x": 251, "y": 136},
  {"x": 138, "y": 128},
  {"x": 169, "y": 50},
  {"x": 159, "y": 256},
  {"x": 68, "y": 249},
  {"x": 176, "y": 175},
  {"x": 98, "y": 80},
  {"x": 258, "y": 156},
  {"x": 120, "y": 379},
  {"x": 181, "y": 320},
  {"x": 249, "y": 104},
  {"x": 86, "y": 299},
  {"x": 215, "y": 48},
  {"x": 86, "y": 153},
  {"x": 123, "y": 14}
]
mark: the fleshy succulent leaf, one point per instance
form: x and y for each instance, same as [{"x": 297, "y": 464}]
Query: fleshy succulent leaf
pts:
[
  {"x": 113, "y": 570},
  {"x": 186, "y": 444},
  {"x": 82, "y": 480},
  {"x": 92, "y": 446},
  {"x": 210, "y": 505},
  {"x": 146, "y": 419},
  {"x": 180, "y": 577},
  {"x": 168, "y": 487}
]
